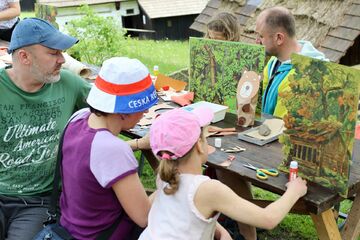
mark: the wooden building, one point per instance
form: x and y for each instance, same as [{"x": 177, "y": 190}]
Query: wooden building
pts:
[
  {"x": 332, "y": 26},
  {"x": 27, "y": 5},
  {"x": 170, "y": 19},
  {"x": 154, "y": 19},
  {"x": 60, "y": 12}
]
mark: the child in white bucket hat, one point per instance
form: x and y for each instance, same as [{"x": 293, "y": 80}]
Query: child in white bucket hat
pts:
[
  {"x": 99, "y": 170},
  {"x": 187, "y": 204}
]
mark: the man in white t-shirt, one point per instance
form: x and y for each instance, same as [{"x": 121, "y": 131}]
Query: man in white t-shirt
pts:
[{"x": 9, "y": 17}]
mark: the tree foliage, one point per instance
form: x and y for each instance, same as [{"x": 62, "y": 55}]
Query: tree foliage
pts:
[
  {"x": 323, "y": 99},
  {"x": 100, "y": 37}
]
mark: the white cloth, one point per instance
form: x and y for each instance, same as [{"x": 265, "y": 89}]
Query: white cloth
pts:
[
  {"x": 175, "y": 217},
  {"x": 4, "y": 4}
]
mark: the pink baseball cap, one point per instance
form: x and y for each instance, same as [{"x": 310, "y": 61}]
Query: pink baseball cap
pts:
[{"x": 177, "y": 130}]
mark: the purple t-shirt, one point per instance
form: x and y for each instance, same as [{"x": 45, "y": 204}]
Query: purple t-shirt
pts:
[{"x": 93, "y": 160}]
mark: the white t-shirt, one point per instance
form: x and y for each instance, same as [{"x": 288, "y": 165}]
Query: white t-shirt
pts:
[
  {"x": 175, "y": 217},
  {"x": 4, "y": 4}
]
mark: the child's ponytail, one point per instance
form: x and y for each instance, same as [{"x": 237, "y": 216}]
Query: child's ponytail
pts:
[{"x": 168, "y": 171}]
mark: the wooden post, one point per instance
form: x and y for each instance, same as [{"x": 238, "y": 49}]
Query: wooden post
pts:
[
  {"x": 351, "y": 230},
  {"x": 326, "y": 225},
  {"x": 154, "y": 163}
]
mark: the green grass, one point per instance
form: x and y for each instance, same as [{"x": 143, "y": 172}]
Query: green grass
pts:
[
  {"x": 168, "y": 55},
  {"x": 294, "y": 226},
  {"x": 27, "y": 15}
]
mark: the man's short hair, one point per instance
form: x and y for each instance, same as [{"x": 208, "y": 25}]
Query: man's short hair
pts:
[{"x": 279, "y": 17}]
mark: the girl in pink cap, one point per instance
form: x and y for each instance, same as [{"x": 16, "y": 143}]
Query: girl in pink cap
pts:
[
  {"x": 101, "y": 187},
  {"x": 187, "y": 204}
]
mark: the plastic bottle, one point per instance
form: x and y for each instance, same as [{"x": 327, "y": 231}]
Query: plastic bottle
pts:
[
  {"x": 218, "y": 142},
  {"x": 156, "y": 70},
  {"x": 293, "y": 170}
]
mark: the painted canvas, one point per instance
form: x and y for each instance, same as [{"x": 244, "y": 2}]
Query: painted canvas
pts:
[
  {"x": 322, "y": 112},
  {"x": 217, "y": 66}
]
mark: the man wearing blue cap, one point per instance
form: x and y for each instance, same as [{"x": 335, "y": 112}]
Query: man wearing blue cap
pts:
[{"x": 37, "y": 98}]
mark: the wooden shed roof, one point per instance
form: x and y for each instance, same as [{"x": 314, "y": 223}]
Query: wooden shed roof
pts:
[
  {"x": 331, "y": 25},
  {"x": 70, "y": 3},
  {"x": 173, "y": 8}
]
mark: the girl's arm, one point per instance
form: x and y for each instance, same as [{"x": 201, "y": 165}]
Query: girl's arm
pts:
[
  {"x": 152, "y": 197},
  {"x": 241, "y": 210},
  {"x": 140, "y": 143},
  {"x": 221, "y": 233},
  {"x": 11, "y": 12},
  {"x": 133, "y": 198}
]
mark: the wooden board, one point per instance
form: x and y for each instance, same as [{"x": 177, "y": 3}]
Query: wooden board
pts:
[
  {"x": 246, "y": 10},
  {"x": 326, "y": 226},
  {"x": 337, "y": 44},
  {"x": 351, "y": 229},
  {"x": 354, "y": 10},
  {"x": 203, "y": 19},
  {"x": 247, "y": 136},
  {"x": 242, "y": 19},
  {"x": 351, "y": 22},
  {"x": 214, "y": 3},
  {"x": 345, "y": 33},
  {"x": 332, "y": 55}
]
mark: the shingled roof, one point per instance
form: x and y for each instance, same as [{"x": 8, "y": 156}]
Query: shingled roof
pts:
[
  {"x": 173, "y": 8},
  {"x": 332, "y": 26}
]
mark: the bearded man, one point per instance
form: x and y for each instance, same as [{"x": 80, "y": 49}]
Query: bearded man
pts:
[{"x": 37, "y": 98}]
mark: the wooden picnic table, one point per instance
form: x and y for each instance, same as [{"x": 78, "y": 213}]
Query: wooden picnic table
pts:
[{"x": 318, "y": 202}]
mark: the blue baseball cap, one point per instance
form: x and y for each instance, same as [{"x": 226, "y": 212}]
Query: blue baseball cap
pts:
[{"x": 32, "y": 31}]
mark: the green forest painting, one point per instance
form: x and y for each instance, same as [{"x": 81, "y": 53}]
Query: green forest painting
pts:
[
  {"x": 322, "y": 112},
  {"x": 217, "y": 66}
]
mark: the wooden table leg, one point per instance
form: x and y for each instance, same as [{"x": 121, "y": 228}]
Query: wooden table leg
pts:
[
  {"x": 351, "y": 230},
  {"x": 154, "y": 163},
  {"x": 326, "y": 225}
]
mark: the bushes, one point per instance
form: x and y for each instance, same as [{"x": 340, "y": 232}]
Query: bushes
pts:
[{"x": 100, "y": 37}]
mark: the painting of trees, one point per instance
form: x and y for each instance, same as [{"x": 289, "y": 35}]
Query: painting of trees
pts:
[
  {"x": 216, "y": 67},
  {"x": 322, "y": 112}
]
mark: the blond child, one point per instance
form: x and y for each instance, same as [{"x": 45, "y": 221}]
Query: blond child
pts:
[
  {"x": 187, "y": 203},
  {"x": 224, "y": 26}
]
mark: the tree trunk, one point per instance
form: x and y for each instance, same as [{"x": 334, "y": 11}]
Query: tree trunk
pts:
[{"x": 212, "y": 65}]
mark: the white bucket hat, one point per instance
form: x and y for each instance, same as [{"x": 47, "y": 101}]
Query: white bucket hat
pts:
[{"x": 123, "y": 86}]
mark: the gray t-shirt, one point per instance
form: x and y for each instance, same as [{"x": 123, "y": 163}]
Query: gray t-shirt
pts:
[{"x": 4, "y": 4}]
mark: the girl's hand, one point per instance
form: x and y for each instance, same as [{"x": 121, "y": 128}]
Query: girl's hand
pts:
[
  {"x": 140, "y": 143},
  {"x": 224, "y": 235},
  {"x": 144, "y": 142},
  {"x": 221, "y": 233},
  {"x": 298, "y": 185}
]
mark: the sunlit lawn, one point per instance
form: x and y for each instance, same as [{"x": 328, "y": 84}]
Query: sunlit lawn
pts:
[{"x": 27, "y": 14}]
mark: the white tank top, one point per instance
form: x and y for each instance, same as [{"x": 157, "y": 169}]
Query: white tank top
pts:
[{"x": 176, "y": 217}]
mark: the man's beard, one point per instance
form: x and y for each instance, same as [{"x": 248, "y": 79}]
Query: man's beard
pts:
[{"x": 43, "y": 78}]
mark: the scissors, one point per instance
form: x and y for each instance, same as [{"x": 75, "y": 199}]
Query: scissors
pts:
[{"x": 262, "y": 173}]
